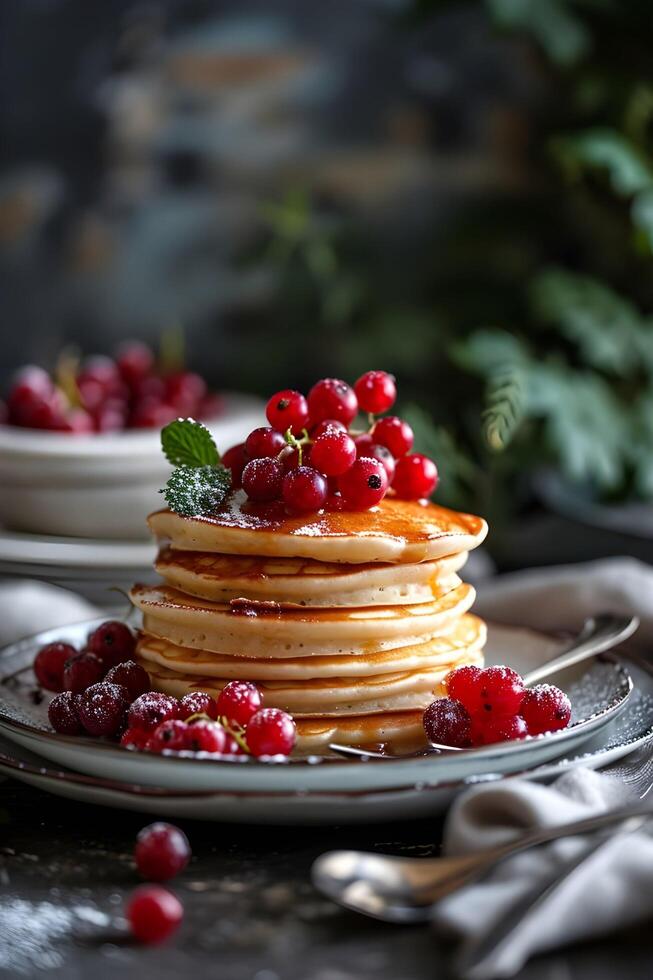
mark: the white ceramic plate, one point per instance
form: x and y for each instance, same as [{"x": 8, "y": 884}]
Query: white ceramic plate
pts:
[{"x": 599, "y": 694}]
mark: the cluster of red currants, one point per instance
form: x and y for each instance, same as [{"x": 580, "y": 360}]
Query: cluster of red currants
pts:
[
  {"x": 493, "y": 705},
  {"x": 310, "y": 458},
  {"x": 108, "y": 395},
  {"x": 103, "y": 692}
]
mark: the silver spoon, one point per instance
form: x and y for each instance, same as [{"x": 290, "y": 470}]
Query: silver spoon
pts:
[
  {"x": 403, "y": 890},
  {"x": 599, "y": 633}
]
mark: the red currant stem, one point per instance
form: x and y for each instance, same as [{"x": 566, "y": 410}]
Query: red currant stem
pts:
[
  {"x": 371, "y": 421},
  {"x": 236, "y": 732},
  {"x": 296, "y": 443},
  {"x": 198, "y": 716}
]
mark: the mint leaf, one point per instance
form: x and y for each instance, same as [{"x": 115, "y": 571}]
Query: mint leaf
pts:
[
  {"x": 196, "y": 490},
  {"x": 186, "y": 442}
]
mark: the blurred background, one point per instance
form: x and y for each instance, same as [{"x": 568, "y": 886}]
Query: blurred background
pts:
[{"x": 460, "y": 193}]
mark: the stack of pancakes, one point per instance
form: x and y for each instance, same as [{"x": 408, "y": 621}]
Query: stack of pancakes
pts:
[{"x": 348, "y": 620}]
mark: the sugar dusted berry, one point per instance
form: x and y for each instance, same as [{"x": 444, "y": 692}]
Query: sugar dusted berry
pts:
[
  {"x": 49, "y": 665},
  {"x": 239, "y": 701},
  {"x": 132, "y": 676},
  {"x": 327, "y": 425},
  {"x": 395, "y": 434},
  {"x": 333, "y": 453},
  {"x": 287, "y": 409},
  {"x": 376, "y": 451},
  {"x": 103, "y": 708},
  {"x": 332, "y": 399},
  {"x": 198, "y": 703},
  {"x": 134, "y": 738},
  {"x": 501, "y": 691},
  {"x": 304, "y": 489},
  {"x": 113, "y": 642},
  {"x": 63, "y": 714},
  {"x": 416, "y": 476},
  {"x": 235, "y": 459},
  {"x": 363, "y": 485},
  {"x": 447, "y": 722},
  {"x": 545, "y": 708},
  {"x": 153, "y": 913},
  {"x": 462, "y": 683},
  {"x": 169, "y": 736},
  {"x": 262, "y": 479},
  {"x": 205, "y": 736},
  {"x": 150, "y": 709},
  {"x": 162, "y": 851},
  {"x": 486, "y": 730},
  {"x": 81, "y": 671},
  {"x": 270, "y": 732},
  {"x": 264, "y": 442},
  {"x": 376, "y": 391}
]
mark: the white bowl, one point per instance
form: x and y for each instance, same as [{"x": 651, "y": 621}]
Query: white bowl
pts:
[{"x": 97, "y": 486}]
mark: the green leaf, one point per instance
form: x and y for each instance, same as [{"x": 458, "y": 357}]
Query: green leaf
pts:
[
  {"x": 189, "y": 443},
  {"x": 459, "y": 475},
  {"x": 196, "y": 490},
  {"x": 505, "y": 407},
  {"x": 608, "y": 150},
  {"x": 551, "y": 23},
  {"x": 488, "y": 351}
]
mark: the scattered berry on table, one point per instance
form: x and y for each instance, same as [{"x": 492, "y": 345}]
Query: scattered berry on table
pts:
[
  {"x": 49, "y": 665},
  {"x": 447, "y": 722},
  {"x": 81, "y": 671},
  {"x": 103, "y": 708},
  {"x": 331, "y": 398},
  {"x": 395, "y": 434},
  {"x": 198, "y": 703},
  {"x": 545, "y": 708},
  {"x": 153, "y": 913},
  {"x": 501, "y": 691},
  {"x": 239, "y": 701},
  {"x": 304, "y": 489},
  {"x": 270, "y": 732},
  {"x": 415, "y": 477},
  {"x": 287, "y": 409},
  {"x": 132, "y": 676},
  {"x": 63, "y": 714},
  {"x": 376, "y": 392},
  {"x": 150, "y": 709},
  {"x": 113, "y": 642},
  {"x": 364, "y": 484},
  {"x": 161, "y": 852},
  {"x": 262, "y": 479}
]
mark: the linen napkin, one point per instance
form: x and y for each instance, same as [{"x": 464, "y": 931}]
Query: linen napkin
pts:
[{"x": 28, "y": 607}]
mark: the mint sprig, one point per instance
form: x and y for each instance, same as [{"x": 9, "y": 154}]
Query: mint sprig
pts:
[
  {"x": 199, "y": 483},
  {"x": 195, "y": 490},
  {"x": 186, "y": 442}
]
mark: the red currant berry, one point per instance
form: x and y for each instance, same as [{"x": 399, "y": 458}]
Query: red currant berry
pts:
[
  {"x": 231, "y": 746},
  {"x": 152, "y": 414},
  {"x": 153, "y": 913},
  {"x": 333, "y": 453},
  {"x": 62, "y": 713},
  {"x": 238, "y": 701},
  {"x": 198, "y": 703},
  {"x": 383, "y": 454},
  {"x": 50, "y": 662},
  {"x": 262, "y": 479},
  {"x": 135, "y": 361},
  {"x": 327, "y": 425},
  {"x": 287, "y": 409},
  {"x": 184, "y": 391},
  {"x": 162, "y": 851},
  {"x": 304, "y": 489},
  {"x": 205, "y": 736},
  {"x": 290, "y": 458},
  {"x": 150, "y": 709},
  {"x": 169, "y": 736},
  {"x": 545, "y": 708},
  {"x": 416, "y": 477},
  {"x": 113, "y": 642},
  {"x": 132, "y": 676},
  {"x": 376, "y": 391},
  {"x": 364, "y": 485},
  {"x": 31, "y": 386},
  {"x": 235, "y": 459},
  {"x": 77, "y": 421},
  {"x": 447, "y": 722},
  {"x": 501, "y": 691},
  {"x": 99, "y": 371},
  {"x": 264, "y": 442},
  {"x": 211, "y": 406},
  {"x": 488, "y": 729},
  {"x": 332, "y": 399},
  {"x": 103, "y": 708},
  {"x": 395, "y": 434},
  {"x": 110, "y": 416},
  {"x": 463, "y": 685},
  {"x": 271, "y": 732},
  {"x": 135, "y": 738},
  {"x": 81, "y": 671}
]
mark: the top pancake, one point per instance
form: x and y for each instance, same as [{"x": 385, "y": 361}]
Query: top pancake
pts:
[{"x": 394, "y": 531}]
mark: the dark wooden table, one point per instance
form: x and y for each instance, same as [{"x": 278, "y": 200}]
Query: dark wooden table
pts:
[{"x": 250, "y": 910}]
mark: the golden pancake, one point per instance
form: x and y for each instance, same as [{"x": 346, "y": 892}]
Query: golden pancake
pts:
[
  {"x": 398, "y": 733},
  {"x": 306, "y": 582},
  {"x": 249, "y": 629},
  {"x": 394, "y": 531},
  {"x": 465, "y": 641},
  {"x": 326, "y": 696}
]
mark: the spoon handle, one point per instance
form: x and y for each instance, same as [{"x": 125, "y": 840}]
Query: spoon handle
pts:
[{"x": 598, "y": 634}]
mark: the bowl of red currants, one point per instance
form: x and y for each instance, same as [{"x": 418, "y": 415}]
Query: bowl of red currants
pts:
[{"x": 80, "y": 448}]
